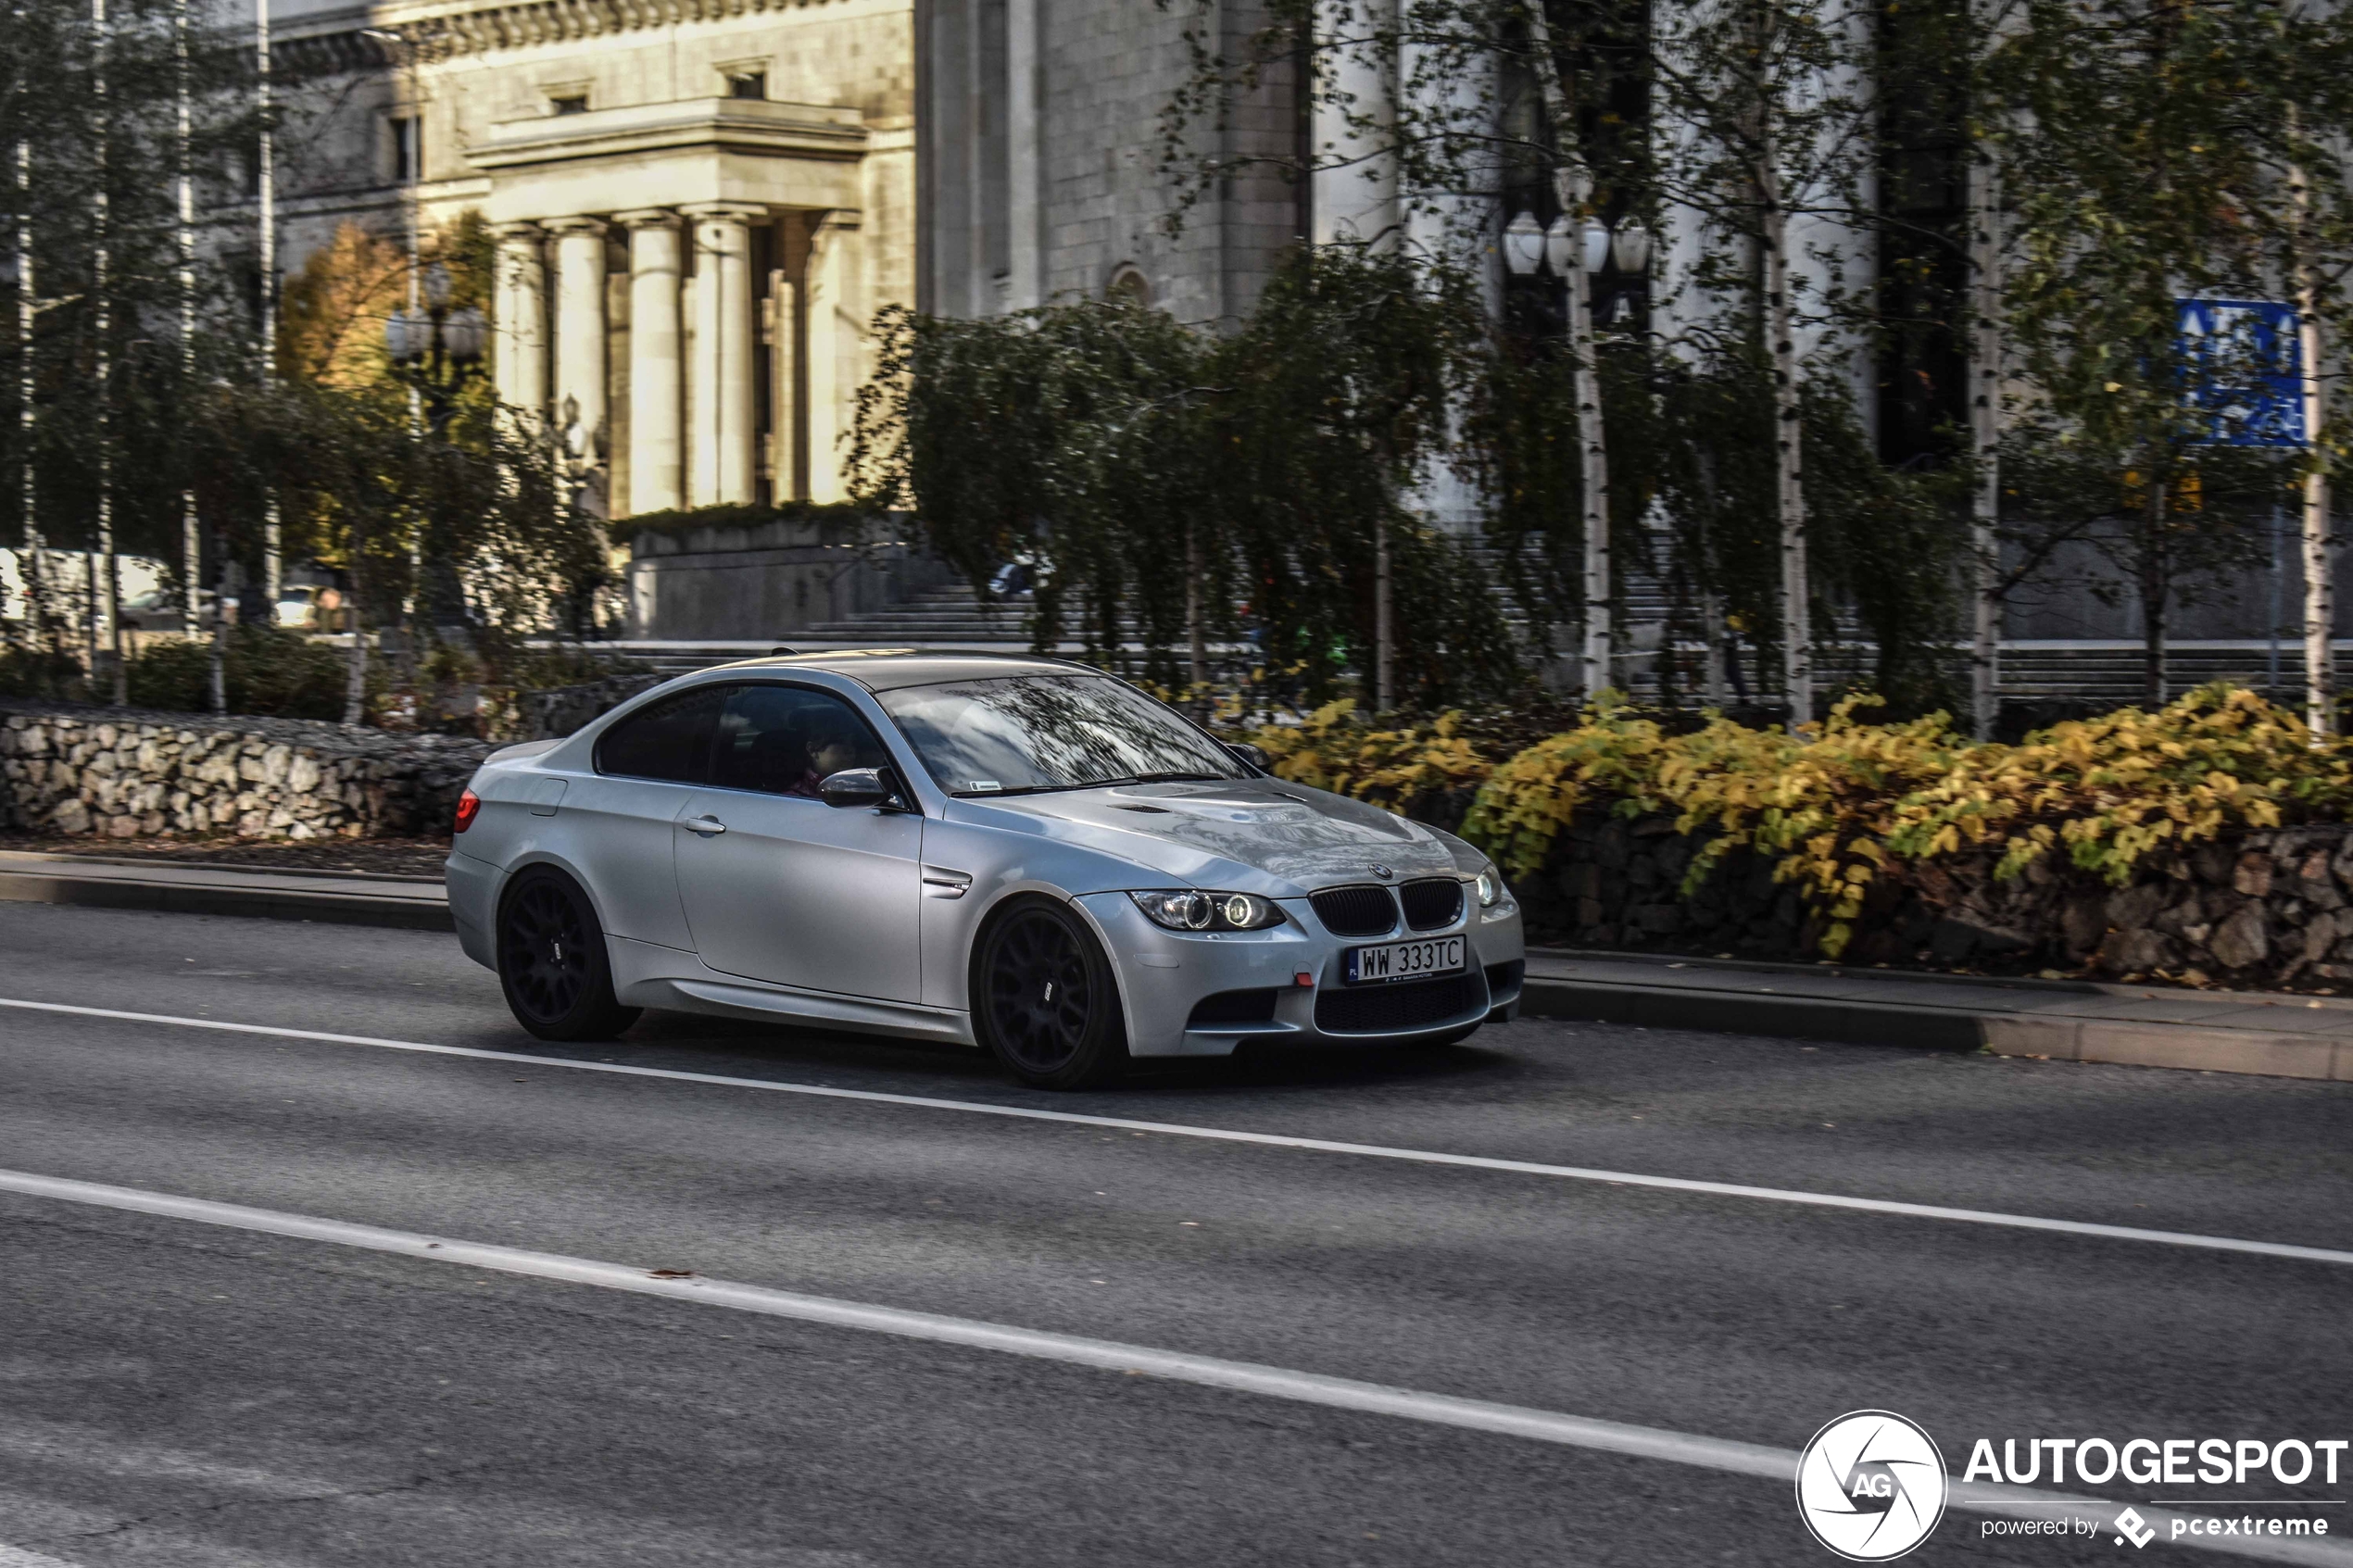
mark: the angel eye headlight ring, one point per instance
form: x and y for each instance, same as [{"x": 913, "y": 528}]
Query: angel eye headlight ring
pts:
[{"x": 1191, "y": 911}]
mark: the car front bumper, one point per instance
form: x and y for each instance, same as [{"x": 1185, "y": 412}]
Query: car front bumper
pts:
[{"x": 1202, "y": 993}]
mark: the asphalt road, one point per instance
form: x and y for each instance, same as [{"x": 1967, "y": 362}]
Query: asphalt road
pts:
[{"x": 192, "y": 1395}]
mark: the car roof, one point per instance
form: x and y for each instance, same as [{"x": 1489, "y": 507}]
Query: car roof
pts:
[{"x": 883, "y": 670}]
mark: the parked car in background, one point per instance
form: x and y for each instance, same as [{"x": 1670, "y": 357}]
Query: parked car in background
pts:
[
  {"x": 1013, "y": 852},
  {"x": 158, "y": 609},
  {"x": 299, "y": 606}
]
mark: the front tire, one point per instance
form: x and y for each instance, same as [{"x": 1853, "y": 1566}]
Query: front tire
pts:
[
  {"x": 552, "y": 961},
  {"x": 1044, "y": 1001}
]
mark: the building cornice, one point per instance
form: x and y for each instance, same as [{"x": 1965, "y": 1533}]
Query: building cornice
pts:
[
  {"x": 732, "y": 124},
  {"x": 336, "y": 40}
]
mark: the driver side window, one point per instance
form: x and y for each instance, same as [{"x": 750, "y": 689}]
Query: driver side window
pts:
[{"x": 784, "y": 740}]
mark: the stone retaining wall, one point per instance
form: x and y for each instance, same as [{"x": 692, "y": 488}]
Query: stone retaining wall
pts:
[
  {"x": 125, "y": 773},
  {"x": 2251, "y": 909}
]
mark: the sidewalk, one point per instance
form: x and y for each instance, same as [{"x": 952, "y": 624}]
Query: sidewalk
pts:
[
  {"x": 2271, "y": 1033},
  {"x": 2274, "y": 1033},
  {"x": 186, "y": 887}
]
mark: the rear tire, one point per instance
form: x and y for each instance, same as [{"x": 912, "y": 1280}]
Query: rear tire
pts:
[
  {"x": 1044, "y": 1000},
  {"x": 553, "y": 963}
]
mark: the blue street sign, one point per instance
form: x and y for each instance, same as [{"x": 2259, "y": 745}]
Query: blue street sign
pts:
[{"x": 2245, "y": 368}]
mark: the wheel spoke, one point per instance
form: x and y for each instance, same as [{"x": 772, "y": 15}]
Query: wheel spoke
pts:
[{"x": 1037, "y": 991}]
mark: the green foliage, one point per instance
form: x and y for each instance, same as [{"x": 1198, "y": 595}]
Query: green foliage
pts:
[
  {"x": 1344, "y": 382},
  {"x": 1845, "y": 803},
  {"x": 270, "y": 670},
  {"x": 2151, "y": 150},
  {"x": 1130, "y": 457},
  {"x": 28, "y": 670}
]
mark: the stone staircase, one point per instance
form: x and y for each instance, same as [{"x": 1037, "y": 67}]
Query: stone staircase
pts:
[{"x": 950, "y": 616}]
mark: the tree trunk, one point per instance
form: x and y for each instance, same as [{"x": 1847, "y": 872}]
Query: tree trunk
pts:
[
  {"x": 355, "y": 685},
  {"x": 1985, "y": 435},
  {"x": 28, "y": 388},
  {"x": 2320, "y": 567},
  {"x": 1384, "y": 696},
  {"x": 2155, "y": 584},
  {"x": 1196, "y": 638},
  {"x": 1789, "y": 449},
  {"x": 1711, "y": 612},
  {"x": 266, "y": 246},
  {"x": 1573, "y": 183},
  {"x": 217, "y": 672}
]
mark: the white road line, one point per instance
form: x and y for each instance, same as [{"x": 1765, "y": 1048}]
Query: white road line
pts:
[
  {"x": 13, "y": 1557},
  {"x": 1272, "y": 1140},
  {"x": 1246, "y": 1377}
]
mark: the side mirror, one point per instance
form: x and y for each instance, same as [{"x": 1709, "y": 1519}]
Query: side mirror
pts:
[
  {"x": 853, "y": 786},
  {"x": 863, "y": 786},
  {"x": 1244, "y": 752}
]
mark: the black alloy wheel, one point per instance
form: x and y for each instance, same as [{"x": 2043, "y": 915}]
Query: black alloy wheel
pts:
[
  {"x": 1046, "y": 1001},
  {"x": 552, "y": 962}
]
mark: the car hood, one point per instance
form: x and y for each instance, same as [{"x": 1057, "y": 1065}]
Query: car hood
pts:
[{"x": 1295, "y": 839}]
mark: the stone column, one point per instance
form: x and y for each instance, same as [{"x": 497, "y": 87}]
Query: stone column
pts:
[
  {"x": 835, "y": 318},
  {"x": 720, "y": 445},
  {"x": 520, "y": 348},
  {"x": 1024, "y": 257},
  {"x": 657, "y": 369},
  {"x": 580, "y": 325}
]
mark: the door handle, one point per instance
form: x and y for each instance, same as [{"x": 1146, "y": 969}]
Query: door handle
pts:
[{"x": 706, "y": 826}]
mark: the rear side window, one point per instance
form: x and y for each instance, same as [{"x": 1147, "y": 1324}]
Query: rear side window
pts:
[
  {"x": 783, "y": 740},
  {"x": 669, "y": 740}
]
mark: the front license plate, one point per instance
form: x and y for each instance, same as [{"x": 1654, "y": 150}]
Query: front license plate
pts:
[{"x": 1404, "y": 960}]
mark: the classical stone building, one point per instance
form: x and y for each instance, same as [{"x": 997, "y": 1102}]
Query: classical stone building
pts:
[
  {"x": 699, "y": 205},
  {"x": 1040, "y": 128}
]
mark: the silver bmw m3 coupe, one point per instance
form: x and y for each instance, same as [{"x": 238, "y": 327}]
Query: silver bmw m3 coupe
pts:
[{"x": 1009, "y": 852}]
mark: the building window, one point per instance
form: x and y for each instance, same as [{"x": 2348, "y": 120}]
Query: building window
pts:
[
  {"x": 1129, "y": 285},
  {"x": 406, "y": 155},
  {"x": 570, "y": 102},
  {"x": 748, "y": 85}
]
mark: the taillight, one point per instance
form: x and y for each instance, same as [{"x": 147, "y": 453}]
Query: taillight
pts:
[{"x": 468, "y": 804}]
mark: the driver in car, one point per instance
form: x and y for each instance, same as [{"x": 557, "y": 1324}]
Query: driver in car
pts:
[{"x": 831, "y": 748}]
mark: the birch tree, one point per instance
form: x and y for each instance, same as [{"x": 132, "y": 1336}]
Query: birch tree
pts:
[
  {"x": 1408, "y": 106},
  {"x": 1770, "y": 128}
]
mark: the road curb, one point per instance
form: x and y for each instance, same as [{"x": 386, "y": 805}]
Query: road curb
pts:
[
  {"x": 419, "y": 905},
  {"x": 425, "y": 909},
  {"x": 2133, "y": 1044}
]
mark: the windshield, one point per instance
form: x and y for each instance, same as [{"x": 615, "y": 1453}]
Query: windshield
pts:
[{"x": 1028, "y": 732}]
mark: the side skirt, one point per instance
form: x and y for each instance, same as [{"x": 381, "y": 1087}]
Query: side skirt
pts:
[{"x": 747, "y": 999}]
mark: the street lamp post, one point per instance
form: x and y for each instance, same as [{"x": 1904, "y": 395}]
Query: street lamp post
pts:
[
  {"x": 437, "y": 351},
  {"x": 1577, "y": 253}
]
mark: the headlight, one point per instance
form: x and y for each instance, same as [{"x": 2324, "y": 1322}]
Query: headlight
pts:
[
  {"x": 1491, "y": 887},
  {"x": 1208, "y": 911}
]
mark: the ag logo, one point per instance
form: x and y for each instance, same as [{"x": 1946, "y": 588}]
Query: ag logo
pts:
[{"x": 1871, "y": 1486}]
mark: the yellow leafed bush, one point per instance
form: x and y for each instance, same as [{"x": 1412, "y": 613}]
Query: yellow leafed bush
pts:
[
  {"x": 1848, "y": 801},
  {"x": 1392, "y": 767}
]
